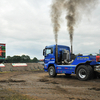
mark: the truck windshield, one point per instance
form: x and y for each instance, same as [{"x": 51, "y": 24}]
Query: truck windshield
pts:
[{"x": 49, "y": 51}]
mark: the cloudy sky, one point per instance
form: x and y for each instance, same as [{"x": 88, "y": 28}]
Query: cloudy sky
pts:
[{"x": 26, "y": 28}]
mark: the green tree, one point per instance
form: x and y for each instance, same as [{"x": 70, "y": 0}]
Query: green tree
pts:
[
  {"x": 16, "y": 59},
  {"x": 20, "y": 59},
  {"x": 35, "y": 59},
  {"x": 25, "y": 58},
  {"x": 90, "y": 55},
  {"x": 9, "y": 59}
]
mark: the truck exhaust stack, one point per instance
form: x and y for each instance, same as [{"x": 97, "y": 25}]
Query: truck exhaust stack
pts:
[
  {"x": 71, "y": 49},
  {"x": 56, "y": 53}
]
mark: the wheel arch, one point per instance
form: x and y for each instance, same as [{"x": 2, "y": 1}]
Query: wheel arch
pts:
[
  {"x": 86, "y": 63},
  {"x": 50, "y": 65}
]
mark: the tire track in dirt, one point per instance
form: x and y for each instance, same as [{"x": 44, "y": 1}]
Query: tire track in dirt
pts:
[{"x": 39, "y": 84}]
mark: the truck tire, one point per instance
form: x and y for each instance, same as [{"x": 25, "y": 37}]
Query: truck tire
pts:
[
  {"x": 84, "y": 73},
  {"x": 52, "y": 72}
]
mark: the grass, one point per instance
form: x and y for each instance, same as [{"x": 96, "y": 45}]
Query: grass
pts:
[
  {"x": 18, "y": 97},
  {"x": 5, "y": 72}
]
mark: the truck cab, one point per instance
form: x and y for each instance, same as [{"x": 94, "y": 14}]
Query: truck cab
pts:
[
  {"x": 58, "y": 59},
  {"x": 50, "y": 53}
]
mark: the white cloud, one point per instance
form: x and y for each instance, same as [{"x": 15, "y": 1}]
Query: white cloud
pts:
[
  {"x": 89, "y": 44},
  {"x": 25, "y": 27}
]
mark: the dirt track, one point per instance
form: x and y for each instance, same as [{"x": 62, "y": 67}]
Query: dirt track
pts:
[{"x": 39, "y": 85}]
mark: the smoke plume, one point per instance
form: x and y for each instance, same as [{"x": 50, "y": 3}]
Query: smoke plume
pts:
[
  {"x": 75, "y": 9},
  {"x": 56, "y": 10}
]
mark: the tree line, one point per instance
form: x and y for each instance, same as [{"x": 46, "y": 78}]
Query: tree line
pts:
[
  {"x": 25, "y": 59},
  {"x": 21, "y": 59}
]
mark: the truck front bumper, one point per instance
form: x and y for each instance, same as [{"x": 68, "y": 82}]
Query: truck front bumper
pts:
[{"x": 97, "y": 68}]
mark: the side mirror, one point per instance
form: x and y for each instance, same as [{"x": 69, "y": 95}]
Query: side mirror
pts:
[{"x": 44, "y": 52}]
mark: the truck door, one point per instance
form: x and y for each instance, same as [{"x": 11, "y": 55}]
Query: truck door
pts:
[{"x": 48, "y": 55}]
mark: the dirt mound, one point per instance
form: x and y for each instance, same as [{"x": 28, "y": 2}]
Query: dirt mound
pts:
[{"x": 29, "y": 67}]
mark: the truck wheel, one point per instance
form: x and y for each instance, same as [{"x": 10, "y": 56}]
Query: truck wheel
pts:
[
  {"x": 84, "y": 72},
  {"x": 52, "y": 72}
]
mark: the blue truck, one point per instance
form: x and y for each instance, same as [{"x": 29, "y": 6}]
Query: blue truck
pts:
[{"x": 58, "y": 59}]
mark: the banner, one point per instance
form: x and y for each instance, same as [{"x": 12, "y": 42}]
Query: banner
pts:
[
  {"x": 2, "y": 65},
  {"x": 19, "y": 64}
]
